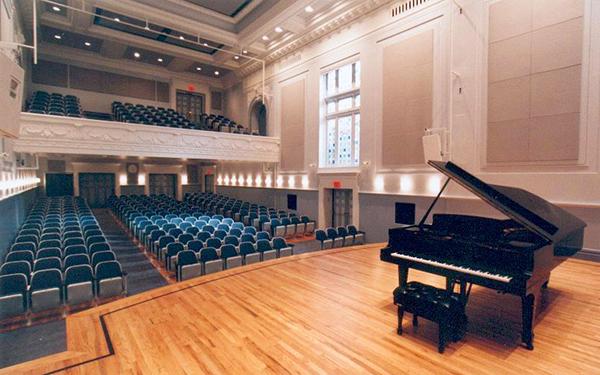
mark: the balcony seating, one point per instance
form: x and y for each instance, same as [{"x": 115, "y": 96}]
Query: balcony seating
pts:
[{"x": 54, "y": 104}]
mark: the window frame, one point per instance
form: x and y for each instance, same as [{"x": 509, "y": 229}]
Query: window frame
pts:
[{"x": 326, "y": 116}]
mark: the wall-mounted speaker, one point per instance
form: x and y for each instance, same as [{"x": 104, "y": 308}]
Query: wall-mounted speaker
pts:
[{"x": 405, "y": 213}]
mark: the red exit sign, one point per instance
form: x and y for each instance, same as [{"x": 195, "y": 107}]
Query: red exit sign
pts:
[{"x": 337, "y": 184}]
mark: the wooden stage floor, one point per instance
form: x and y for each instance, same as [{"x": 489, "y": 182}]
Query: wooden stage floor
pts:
[{"x": 328, "y": 312}]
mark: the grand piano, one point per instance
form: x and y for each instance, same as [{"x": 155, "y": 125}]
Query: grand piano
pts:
[{"x": 513, "y": 255}]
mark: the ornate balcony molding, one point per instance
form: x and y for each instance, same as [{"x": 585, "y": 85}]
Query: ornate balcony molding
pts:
[{"x": 64, "y": 135}]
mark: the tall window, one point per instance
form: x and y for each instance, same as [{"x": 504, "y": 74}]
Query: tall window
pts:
[{"x": 340, "y": 102}]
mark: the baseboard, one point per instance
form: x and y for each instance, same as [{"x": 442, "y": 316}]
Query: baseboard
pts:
[{"x": 588, "y": 254}]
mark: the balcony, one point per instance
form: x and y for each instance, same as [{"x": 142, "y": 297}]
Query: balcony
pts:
[{"x": 64, "y": 135}]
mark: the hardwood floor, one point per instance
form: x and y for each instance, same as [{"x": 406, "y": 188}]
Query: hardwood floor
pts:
[{"x": 326, "y": 313}]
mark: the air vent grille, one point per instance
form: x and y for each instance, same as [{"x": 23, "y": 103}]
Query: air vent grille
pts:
[{"x": 405, "y": 6}]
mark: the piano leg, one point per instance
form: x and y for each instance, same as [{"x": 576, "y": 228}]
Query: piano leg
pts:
[
  {"x": 402, "y": 276},
  {"x": 528, "y": 311}
]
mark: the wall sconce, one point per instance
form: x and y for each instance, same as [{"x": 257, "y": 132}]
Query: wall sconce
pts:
[
  {"x": 122, "y": 179},
  {"x": 305, "y": 182},
  {"x": 142, "y": 179},
  {"x": 184, "y": 179}
]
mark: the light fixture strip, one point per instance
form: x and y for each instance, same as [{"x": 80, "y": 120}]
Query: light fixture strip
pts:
[{"x": 146, "y": 30}]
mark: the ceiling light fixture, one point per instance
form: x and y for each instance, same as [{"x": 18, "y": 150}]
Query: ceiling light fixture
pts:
[
  {"x": 236, "y": 57},
  {"x": 160, "y": 59},
  {"x": 137, "y": 55},
  {"x": 198, "y": 68},
  {"x": 117, "y": 19},
  {"x": 56, "y": 36},
  {"x": 265, "y": 38},
  {"x": 205, "y": 44},
  {"x": 309, "y": 9},
  {"x": 88, "y": 44},
  {"x": 278, "y": 29},
  {"x": 244, "y": 52},
  {"x": 181, "y": 37},
  {"x": 56, "y": 9},
  {"x": 217, "y": 72}
]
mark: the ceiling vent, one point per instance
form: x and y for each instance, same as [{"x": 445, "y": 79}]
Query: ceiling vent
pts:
[{"x": 406, "y": 6}]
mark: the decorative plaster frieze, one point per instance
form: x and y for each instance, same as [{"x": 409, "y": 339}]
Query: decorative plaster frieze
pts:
[
  {"x": 63, "y": 135},
  {"x": 335, "y": 23}
]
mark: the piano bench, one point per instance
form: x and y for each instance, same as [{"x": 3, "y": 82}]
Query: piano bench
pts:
[{"x": 437, "y": 305}]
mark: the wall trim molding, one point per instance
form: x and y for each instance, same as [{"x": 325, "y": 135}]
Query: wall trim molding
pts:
[
  {"x": 64, "y": 135},
  {"x": 588, "y": 254}
]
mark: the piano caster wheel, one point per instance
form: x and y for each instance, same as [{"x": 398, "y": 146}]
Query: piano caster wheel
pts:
[
  {"x": 399, "y": 331},
  {"x": 529, "y": 346}
]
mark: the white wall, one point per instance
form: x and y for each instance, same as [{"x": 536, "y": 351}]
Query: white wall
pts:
[{"x": 460, "y": 79}]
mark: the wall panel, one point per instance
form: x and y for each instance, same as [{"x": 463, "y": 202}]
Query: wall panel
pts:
[
  {"x": 292, "y": 125},
  {"x": 407, "y": 99},
  {"x": 534, "y": 80}
]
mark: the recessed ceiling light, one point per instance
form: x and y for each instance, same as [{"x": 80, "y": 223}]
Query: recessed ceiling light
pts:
[
  {"x": 265, "y": 38},
  {"x": 198, "y": 68},
  {"x": 160, "y": 59},
  {"x": 236, "y": 57},
  {"x": 217, "y": 72},
  {"x": 147, "y": 27},
  {"x": 56, "y": 9},
  {"x": 137, "y": 55},
  {"x": 205, "y": 44},
  {"x": 309, "y": 9},
  {"x": 181, "y": 37},
  {"x": 87, "y": 44},
  {"x": 117, "y": 19},
  {"x": 57, "y": 36},
  {"x": 278, "y": 29},
  {"x": 244, "y": 52}
]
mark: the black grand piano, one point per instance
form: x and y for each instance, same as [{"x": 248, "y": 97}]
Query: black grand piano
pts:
[{"x": 515, "y": 255}]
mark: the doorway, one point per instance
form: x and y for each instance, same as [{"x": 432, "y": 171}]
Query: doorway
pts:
[
  {"x": 341, "y": 207},
  {"x": 163, "y": 184},
  {"x": 258, "y": 118},
  {"x": 96, "y": 188},
  {"x": 190, "y": 104},
  {"x": 209, "y": 183},
  {"x": 59, "y": 184}
]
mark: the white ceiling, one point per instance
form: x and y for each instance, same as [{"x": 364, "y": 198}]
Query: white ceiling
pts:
[{"x": 228, "y": 27}]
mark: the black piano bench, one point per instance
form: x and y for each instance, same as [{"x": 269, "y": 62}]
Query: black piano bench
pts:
[{"x": 438, "y": 305}]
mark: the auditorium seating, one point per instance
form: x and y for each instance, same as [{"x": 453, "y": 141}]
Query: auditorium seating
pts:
[
  {"x": 339, "y": 237},
  {"x": 159, "y": 116},
  {"x": 59, "y": 258},
  {"x": 279, "y": 223},
  {"x": 216, "y": 240},
  {"x": 54, "y": 104}
]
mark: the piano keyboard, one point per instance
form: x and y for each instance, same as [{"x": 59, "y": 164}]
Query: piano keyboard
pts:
[{"x": 452, "y": 267}]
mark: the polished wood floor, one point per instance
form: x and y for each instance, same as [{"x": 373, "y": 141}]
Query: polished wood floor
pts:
[{"x": 325, "y": 313}]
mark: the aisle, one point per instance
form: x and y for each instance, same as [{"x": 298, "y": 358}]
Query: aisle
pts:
[{"x": 141, "y": 274}]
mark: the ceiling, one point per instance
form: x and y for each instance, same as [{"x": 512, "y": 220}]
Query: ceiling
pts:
[
  {"x": 186, "y": 37},
  {"x": 226, "y": 7}
]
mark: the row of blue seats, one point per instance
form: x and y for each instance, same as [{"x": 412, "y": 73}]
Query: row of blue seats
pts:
[
  {"x": 191, "y": 246},
  {"x": 60, "y": 257},
  {"x": 342, "y": 236}
]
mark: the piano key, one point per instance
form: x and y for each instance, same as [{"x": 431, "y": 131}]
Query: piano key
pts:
[{"x": 452, "y": 267}]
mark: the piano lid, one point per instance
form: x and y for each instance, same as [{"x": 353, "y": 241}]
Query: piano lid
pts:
[{"x": 531, "y": 211}]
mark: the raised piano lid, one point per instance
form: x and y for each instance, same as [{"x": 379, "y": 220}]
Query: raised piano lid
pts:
[{"x": 531, "y": 211}]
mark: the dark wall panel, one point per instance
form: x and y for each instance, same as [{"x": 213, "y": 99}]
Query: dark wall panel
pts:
[
  {"x": 14, "y": 210},
  {"x": 50, "y": 73}
]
